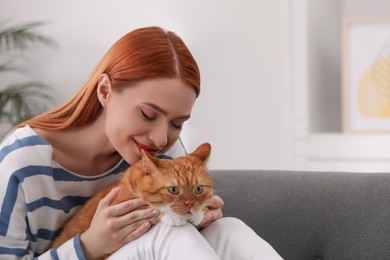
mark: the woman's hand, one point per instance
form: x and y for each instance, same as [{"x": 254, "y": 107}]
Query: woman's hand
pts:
[
  {"x": 213, "y": 211},
  {"x": 113, "y": 226}
]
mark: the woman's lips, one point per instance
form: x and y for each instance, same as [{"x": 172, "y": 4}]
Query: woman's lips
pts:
[{"x": 148, "y": 149}]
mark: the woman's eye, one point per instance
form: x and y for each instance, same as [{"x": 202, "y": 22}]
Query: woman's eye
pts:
[
  {"x": 179, "y": 127},
  {"x": 145, "y": 116}
]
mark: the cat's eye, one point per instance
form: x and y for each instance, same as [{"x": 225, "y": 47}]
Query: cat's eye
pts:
[
  {"x": 173, "y": 190},
  {"x": 199, "y": 189}
]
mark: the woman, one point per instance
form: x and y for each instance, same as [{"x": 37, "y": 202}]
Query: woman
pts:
[{"x": 138, "y": 97}]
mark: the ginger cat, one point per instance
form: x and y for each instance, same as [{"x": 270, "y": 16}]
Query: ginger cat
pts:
[{"x": 179, "y": 188}]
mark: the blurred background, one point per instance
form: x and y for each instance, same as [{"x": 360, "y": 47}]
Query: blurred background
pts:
[{"x": 271, "y": 72}]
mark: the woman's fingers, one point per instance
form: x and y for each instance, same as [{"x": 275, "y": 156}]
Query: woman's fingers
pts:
[
  {"x": 213, "y": 211},
  {"x": 128, "y": 232},
  {"x": 141, "y": 228},
  {"x": 121, "y": 208},
  {"x": 129, "y": 219},
  {"x": 126, "y": 207},
  {"x": 106, "y": 201},
  {"x": 215, "y": 202},
  {"x": 132, "y": 218},
  {"x": 114, "y": 225},
  {"x": 210, "y": 216}
]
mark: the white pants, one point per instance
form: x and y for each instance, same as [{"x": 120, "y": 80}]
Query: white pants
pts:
[{"x": 226, "y": 238}]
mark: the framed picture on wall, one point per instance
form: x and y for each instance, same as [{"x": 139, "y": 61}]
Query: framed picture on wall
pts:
[{"x": 366, "y": 74}]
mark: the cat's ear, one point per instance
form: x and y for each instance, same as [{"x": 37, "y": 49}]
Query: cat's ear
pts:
[
  {"x": 203, "y": 151},
  {"x": 149, "y": 162}
]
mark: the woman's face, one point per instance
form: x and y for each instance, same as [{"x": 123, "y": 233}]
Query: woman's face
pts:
[{"x": 148, "y": 115}]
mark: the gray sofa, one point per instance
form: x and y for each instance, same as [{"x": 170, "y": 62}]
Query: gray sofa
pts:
[{"x": 312, "y": 215}]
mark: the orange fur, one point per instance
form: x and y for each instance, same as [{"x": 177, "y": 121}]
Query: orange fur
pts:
[{"x": 152, "y": 179}]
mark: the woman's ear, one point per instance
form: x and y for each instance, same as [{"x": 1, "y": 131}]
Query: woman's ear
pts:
[{"x": 103, "y": 89}]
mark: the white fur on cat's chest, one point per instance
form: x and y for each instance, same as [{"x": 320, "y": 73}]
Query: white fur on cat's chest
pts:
[{"x": 171, "y": 218}]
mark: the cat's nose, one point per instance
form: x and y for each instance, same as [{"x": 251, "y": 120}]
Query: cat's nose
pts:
[{"x": 189, "y": 203}]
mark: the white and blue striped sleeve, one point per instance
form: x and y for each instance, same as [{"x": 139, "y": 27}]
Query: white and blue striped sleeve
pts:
[{"x": 26, "y": 227}]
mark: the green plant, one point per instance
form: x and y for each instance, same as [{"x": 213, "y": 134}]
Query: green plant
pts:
[{"x": 21, "y": 101}]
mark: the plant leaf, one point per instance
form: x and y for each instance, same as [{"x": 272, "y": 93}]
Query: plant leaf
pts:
[
  {"x": 19, "y": 102},
  {"x": 22, "y": 37},
  {"x": 22, "y": 101}
]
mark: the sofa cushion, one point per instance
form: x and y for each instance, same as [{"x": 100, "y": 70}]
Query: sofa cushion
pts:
[{"x": 312, "y": 215}]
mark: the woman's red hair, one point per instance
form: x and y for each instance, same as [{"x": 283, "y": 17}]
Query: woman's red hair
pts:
[{"x": 142, "y": 54}]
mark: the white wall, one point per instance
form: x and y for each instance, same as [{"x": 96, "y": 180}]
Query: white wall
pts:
[
  {"x": 242, "y": 48},
  {"x": 319, "y": 141},
  {"x": 324, "y": 29}
]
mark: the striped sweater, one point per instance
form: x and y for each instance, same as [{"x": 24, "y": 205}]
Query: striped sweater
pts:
[{"x": 37, "y": 196}]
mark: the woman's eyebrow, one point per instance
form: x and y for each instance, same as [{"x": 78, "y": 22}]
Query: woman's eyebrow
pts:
[{"x": 162, "y": 111}]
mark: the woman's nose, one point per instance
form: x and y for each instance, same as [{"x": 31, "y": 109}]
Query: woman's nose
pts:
[{"x": 159, "y": 136}]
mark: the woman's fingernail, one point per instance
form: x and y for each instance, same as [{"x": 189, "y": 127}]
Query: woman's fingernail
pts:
[
  {"x": 147, "y": 224},
  {"x": 155, "y": 212}
]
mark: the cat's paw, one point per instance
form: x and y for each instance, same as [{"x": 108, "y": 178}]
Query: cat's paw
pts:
[{"x": 173, "y": 220}]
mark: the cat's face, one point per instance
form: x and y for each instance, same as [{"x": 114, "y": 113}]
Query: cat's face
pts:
[{"x": 181, "y": 185}]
